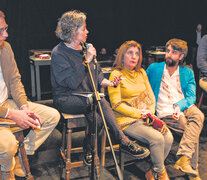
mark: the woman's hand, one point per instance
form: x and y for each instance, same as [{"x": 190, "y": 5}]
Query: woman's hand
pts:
[
  {"x": 176, "y": 112},
  {"x": 113, "y": 83},
  {"x": 144, "y": 113},
  {"x": 116, "y": 80},
  {"x": 90, "y": 53},
  {"x": 106, "y": 82}
]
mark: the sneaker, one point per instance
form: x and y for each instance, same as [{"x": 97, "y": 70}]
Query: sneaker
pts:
[
  {"x": 87, "y": 157},
  {"x": 135, "y": 150}
]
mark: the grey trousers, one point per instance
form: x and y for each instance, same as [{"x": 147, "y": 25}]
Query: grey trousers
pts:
[
  {"x": 159, "y": 144},
  {"x": 50, "y": 118},
  {"x": 189, "y": 143}
]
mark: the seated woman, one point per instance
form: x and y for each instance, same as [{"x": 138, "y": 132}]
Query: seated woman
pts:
[
  {"x": 132, "y": 100},
  {"x": 69, "y": 74}
]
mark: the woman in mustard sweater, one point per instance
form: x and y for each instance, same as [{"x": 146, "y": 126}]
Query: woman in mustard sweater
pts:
[{"x": 131, "y": 100}]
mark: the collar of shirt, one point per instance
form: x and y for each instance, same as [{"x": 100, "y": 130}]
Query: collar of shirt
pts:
[{"x": 166, "y": 73}]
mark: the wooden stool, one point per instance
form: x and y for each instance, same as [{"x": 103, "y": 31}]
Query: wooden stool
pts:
[
  {"x": 105, "y": 149},
  {"x": 71, "y": 122},
  {"x": 18, "y": 133},
  {"x": 0, "y": 172},
  {"x": 201, "y": 99}
]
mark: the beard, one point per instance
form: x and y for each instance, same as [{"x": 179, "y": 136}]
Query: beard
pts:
[{"x": 170, "y": 62}]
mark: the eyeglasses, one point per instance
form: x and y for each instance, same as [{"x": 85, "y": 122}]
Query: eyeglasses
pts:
[{"x": 3, "y": 29}]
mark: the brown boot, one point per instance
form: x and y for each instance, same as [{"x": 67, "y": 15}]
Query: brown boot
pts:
[
  {"x": 163, "y": 175},
  {"x": 150, "y": 175},
  {"x": 184, "y": 165},
  {"x": 18, "y": 168},
  {"x": 7, "y": 175}
]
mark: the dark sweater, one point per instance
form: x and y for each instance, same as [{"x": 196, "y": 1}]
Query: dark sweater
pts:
[{"x": 68, "y": 74}]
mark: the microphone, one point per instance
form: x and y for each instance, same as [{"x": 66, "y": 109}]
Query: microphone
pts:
[{"x": 88, "y": 45}]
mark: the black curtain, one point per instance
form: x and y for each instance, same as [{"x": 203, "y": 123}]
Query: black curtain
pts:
[{"x": 110, "y": 22}]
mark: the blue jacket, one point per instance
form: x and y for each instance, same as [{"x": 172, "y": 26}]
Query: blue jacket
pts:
[{"x": 187, "y": 80}]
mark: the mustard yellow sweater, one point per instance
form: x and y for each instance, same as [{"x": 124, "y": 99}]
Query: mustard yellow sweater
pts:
[{"x": 129, "y": 88}]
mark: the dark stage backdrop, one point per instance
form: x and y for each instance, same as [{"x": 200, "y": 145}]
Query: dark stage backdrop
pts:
[{"x": 110, "y": 22}]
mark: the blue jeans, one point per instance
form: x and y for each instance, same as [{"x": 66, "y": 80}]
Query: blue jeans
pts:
[{"x": 159, "y": 144}]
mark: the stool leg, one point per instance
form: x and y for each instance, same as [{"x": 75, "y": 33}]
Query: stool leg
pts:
[
  {"x": 20, "y": 137},
  {"x": 103, "y": 150},
  {"x": 121, "y": 159},
  {"x": 0, "y": 172},
  {"x": 68, "y": 153},
  {"x": 201, "y": 99},
  {"x": 62, "y": 149}
]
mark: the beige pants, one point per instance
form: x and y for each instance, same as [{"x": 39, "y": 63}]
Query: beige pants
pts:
[
  {"x": 189, "y": 144},
  {"x": 50, "y": 117},
  {"x": 191, "y": 126},
  {"x": 8, "y": 148}
]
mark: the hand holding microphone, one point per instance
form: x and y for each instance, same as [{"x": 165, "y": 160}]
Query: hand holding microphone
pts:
[{"x": 90, "y": 52}]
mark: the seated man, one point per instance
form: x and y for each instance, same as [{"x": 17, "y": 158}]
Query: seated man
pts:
[
  {"x": 14, "y": 106},
  {"x": 174, "y": 88},
  {"x": 202, "y": 62}
]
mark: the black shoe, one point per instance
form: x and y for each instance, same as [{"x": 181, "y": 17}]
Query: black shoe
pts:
[
  {"x": 135, "y": 150},
  {"x": 87, "y": 156}
]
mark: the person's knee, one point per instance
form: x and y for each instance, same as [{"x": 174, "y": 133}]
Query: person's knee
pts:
[
  {"x": 200, "y": 117},
  {"x": 53, "y": 116},
  {"x": 196, "y": 115},
  {"x": 158, "y": 140},
  {"x": 56, "y": 115},
  {"x": 8, "y": 144},
  {"x": 169, "y": 138}
]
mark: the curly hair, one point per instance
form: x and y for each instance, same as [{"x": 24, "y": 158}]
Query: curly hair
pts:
[
  {"x": 68, "y": 24},
  {"x": 179, "y": 45},
  {"x": 119, "y": 61}
]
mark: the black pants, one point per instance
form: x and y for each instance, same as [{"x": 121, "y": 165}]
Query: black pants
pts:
[{"x": 79, "y": 105}]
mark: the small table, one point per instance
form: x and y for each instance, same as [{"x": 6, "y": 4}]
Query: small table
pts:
[{"x": 35, "y": 64}]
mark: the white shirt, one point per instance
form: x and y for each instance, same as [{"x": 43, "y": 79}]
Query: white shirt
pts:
[
  {"x": 170, "y": 93},
  {"x": 3, "y": 88}
]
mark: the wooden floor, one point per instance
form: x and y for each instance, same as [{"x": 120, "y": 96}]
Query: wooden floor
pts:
[{"x": 46, "y": 165}]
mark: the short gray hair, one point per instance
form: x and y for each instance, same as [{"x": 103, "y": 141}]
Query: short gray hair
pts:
[{"x": 68, "y": 24}]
